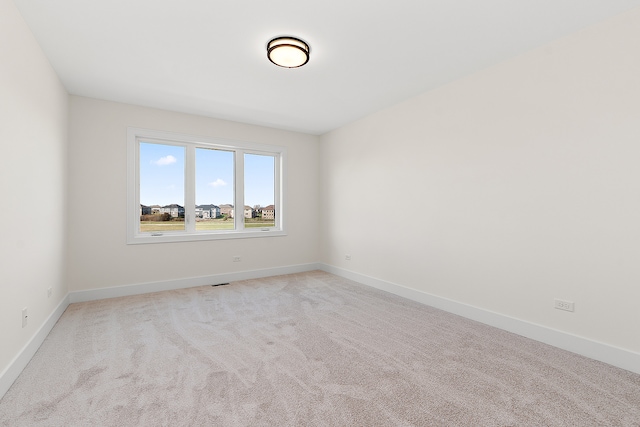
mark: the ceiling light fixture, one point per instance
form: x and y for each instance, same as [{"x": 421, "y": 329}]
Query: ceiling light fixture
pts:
[{"x": 288, "y": 52}]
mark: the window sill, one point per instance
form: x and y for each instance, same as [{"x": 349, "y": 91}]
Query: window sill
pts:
[{"x": 148, "y": 238}]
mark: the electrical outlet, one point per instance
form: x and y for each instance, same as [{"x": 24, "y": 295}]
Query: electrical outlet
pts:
[
  {"x": 347, "y": 257},
  {"x": 49, "y": 292},
  {"x": 236, "y": 259},
  {"x": 563, "y": 305},
  {"x": 24, "y": 317}
]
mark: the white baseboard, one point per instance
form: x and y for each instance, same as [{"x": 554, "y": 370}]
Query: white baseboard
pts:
[
  {"x": 612, "y": 355},
  {"x": 22, "y": 359},
  {"x": 144, "y": 288}
]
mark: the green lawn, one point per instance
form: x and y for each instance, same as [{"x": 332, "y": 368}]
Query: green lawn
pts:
[
  {"x": 209, "y": 224},
  {"x": 259, "y": 224}
]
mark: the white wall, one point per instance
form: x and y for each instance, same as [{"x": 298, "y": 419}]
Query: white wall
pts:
[
  {"x": 506, "y": 189},
  {"x": 98, "y": 254},
  {"x": 33, "y": 126}
]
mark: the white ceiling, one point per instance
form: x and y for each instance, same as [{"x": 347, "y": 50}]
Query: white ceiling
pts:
[{"x": 208, "y": 57}]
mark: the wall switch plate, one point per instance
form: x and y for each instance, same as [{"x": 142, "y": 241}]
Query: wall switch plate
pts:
[
  {"x": 49, "y": 292},
  {"x": 24, "y": 317},
  {"x": 563, "y": 305}
]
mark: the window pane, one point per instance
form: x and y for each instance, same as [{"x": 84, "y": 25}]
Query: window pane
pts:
[
  {"x": 161, "y": 188},
  {"x": 214, "y": 190},
  {"x": 259, "y": 190}
]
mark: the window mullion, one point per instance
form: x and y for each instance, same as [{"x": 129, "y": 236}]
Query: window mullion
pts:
[
  {"x": 135, "y": 191},
  {"x": 239, "y": 190},
  {"x": 190, "y": 190},
  {"x": 277, "y": 219}
]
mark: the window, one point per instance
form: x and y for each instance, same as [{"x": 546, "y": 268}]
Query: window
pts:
[{"x": 182, "y": 188}]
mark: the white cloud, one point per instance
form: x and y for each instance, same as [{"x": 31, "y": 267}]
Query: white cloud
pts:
[
  {"x": 218, "y": 183},
  {"x": 163, "y": 161}
]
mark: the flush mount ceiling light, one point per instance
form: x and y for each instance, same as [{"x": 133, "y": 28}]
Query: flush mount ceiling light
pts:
[{"x": 288, "y": 52}]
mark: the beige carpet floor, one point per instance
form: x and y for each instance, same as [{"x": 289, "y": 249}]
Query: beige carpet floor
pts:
[{"x": 308, "y": 349}]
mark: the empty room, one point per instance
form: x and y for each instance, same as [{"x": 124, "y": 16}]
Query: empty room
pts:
[{"x": 408, "y": 213}]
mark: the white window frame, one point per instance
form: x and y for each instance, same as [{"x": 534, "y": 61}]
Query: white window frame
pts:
[{"x": 191, "y": 142}]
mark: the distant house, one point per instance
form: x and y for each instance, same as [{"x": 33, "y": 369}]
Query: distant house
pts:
[
  {"x": 145, "y": 210},
  {"x": 202, "y": 213},
  {"x": 226, "y": 210},
  {"x": 269, "y": 212},
  {"x": 249, "y": 212},
  {"x": 176, "y": 211},
  {"x": 207, "y": 211},
  {"x": 155, "y": 209}
]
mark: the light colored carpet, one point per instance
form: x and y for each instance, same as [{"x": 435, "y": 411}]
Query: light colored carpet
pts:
[{"x": 307, "y": 349}]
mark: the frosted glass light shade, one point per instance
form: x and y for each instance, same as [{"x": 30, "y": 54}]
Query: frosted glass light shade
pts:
[{"x": 288, "y": 52}]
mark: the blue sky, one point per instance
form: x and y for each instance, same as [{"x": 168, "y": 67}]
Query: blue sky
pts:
[
  {"x": 162, "y": 176},
  {"x": 259, "y": 180}
]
